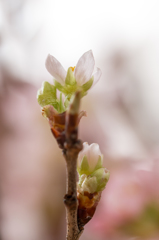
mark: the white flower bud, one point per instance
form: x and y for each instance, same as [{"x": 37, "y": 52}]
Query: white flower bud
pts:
[
  {"x": 89, "y": 159},
  {"x": 92, "y": 176}
]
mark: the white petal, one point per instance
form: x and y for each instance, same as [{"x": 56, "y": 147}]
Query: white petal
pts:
[
  {"x": 84, "y": 151},
  {"x": 94, "y": 153},
  {"x": 55, "y": 68},
  {"x": 84, "y": 68},
  {"x": 96, "y": 76}
]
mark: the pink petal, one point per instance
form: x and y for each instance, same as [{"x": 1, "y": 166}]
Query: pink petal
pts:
[
  {"x": 84, "y": 68},
  {"x": 96, "y": 76},
  {"x": 55, "y": 68}
]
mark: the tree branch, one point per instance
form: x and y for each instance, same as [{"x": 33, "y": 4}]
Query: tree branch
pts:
[{"x": 71, "y": 149}]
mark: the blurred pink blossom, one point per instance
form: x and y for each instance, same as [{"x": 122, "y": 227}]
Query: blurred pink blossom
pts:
[{"x": 127, "y": 195}]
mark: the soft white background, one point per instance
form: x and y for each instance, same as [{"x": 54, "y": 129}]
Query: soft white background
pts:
[{"x": 122, "y": 108}]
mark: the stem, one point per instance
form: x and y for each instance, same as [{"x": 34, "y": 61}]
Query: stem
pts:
[
  {"x": 70, "y": 199},
  {"x": 71, "y": 149}
]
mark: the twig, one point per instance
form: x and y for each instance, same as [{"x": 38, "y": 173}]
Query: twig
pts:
[{"x": 71, "y": 149}]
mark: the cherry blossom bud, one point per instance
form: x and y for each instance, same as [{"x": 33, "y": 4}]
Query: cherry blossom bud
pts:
[
  {"x": 92, "y": 176},
  {"x": 89, "y": 159},
  {"x": 79, "y": 78},
  {"x": 95, "y": 182},
  {"x": 92, "y": 181}
]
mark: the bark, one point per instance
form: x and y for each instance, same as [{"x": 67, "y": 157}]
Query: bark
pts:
[{"x": 71, "y": 149}]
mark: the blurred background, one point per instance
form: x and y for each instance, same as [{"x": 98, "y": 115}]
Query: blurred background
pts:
[{"x": 122, "y": 109}]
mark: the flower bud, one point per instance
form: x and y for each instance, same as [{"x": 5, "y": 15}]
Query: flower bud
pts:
[
  {"x": 89, "y": 159},
  {"x": 92, "y": 181},
  {"x": 102, "y": 177},
  {"x": 79, "y": 78},
  {"x": 95, "y": 182},
  {"x": 87, "y": 184},
  {"x": 92, "y": 176}
]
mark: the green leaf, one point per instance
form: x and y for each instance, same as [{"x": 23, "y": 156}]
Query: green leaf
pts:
[{"x": 47, "y": 95}]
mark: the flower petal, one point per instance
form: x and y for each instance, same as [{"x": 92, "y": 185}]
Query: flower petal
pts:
[
  {"x": 55, "y": 68},
  {"x": 84, "y": 68},
  {"x": 97, "y": 74},
  {"x": 93, "y": 156},
  {"x": 94, "y": 153},
  {"x": 83, "y": 152}
]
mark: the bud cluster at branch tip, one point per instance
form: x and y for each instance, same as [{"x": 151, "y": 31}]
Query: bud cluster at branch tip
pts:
[
  {"x": 79, "y": 78},
  {"x": 93, "y": 178}
]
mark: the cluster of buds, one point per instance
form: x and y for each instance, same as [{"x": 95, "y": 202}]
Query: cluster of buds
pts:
[{"x": 93, "y": 178}]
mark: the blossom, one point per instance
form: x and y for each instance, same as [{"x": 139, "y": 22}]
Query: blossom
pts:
[
  {"x": 131, "y": 204},
  {"x": 92, "y": 181},
  {"x": 89, "y": 159},
  {"x": 81, "y": 75},
  {"x": 79, "y": 78},
  {"x": 92, "y": 176}
]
